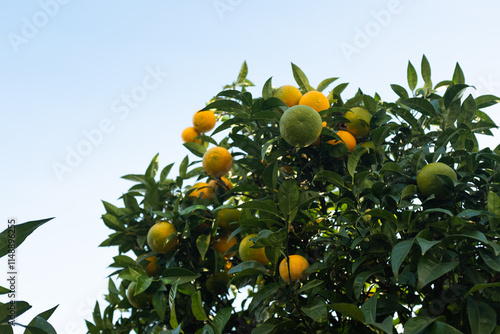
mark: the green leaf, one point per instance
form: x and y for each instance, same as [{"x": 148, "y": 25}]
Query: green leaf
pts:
[
  {"x": 412, "y": 76},
  {"x": 179, "y": 275},
  {"x": 492, "y": 260},
  {"x": 402, "y": 93},
  {"x": 164, "y": 172},
  {"x": 348, "y": 310},
  {"x": 202, "y": 243},
  {"x": 160, "y": 304},
  {"x": 44, "y": 315},
  {"x": 266, "y": 291},
  {"x": 398, "y": 254},
  {"x": 316, "y": 283},
  {"x": 353, "y": 160},
  {"x": 248, "y": 268},
  {"x": 481, "y": 287},
  {"x": 359, "y": 282},
  {"x": 196, "y": 148},
  {"x": 439, "y": 327},
  {"x": 13, "y": 237},
  {"x": 420, "y": 104},
  {"x": 288, "y": 196},
  {"x": 267, "y": 89},
  {"x": 301, "y": 79},
  {"x": 391, "y": 166},
  {"x": 485, "y": 101},
  {"x": 197, "y": 307},
  {"x": 417, "y": 324},
  {"x": 142, "y": 284},
  {"x": 369, "y": 309},
  {"x": 493, "y": 203},
  {"x": 430, "y": 269},
  {"x": 453, "y": 93},
  {"x": 425, "y": 245},
  {"x": 267, "y": 206},
  {"x": 243, "y": 73},
  {"x": 458, "y": 75},
  {"x": 409, "y": 190},
  {"x": 40, "y": 326},
  {"x": 317, "y": 310},
  {"x": 171, "y": 304},
  {"x": 207, "y": 330},
  {"x": 6, "y": 329},
  {"x": 426, "y": 72},
  {"x": 153, "y": 167},
  {"x": 325, "y": 83},
  {"x": 482, "y": 318},
  {"x": 330, "y": 177},
  {"x": 3, "y": 290},
  {"x": 225, "y": 105},
  {"x": 221, "y": 319}
]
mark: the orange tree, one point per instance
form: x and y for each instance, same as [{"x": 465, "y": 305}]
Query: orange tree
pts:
[{"x": 372, "y": 252}]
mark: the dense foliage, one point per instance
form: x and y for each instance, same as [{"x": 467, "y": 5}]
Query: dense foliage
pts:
[{"x": 383, "y": 257}]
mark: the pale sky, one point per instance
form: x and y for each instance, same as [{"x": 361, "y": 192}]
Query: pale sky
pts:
[{"x": 118, "y": 81}]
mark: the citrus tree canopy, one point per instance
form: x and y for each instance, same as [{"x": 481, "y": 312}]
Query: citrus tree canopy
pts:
[{"x": 351, "y": 234}]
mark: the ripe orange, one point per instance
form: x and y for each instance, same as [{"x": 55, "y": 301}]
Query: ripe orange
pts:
[
  {"x": 428, "y": 183},
  {"x": 202, "y": 189},
  {"x": 149, "y": 264},
  {"x": 288, "y": 94},
  {"x": 227, "y": 216},
  {"x": 141, "y": 300},
  {"x": 217, "y": 161},
  {"x": 300, "y": 126},
  {"x": 222, "y": 245},
  {"x": 347, "y": 138},
  {"x": 360, "y": 121},
  {"x": 298, "y": 264},
  {"x": 204, "y": 121},
  {"x": 188, "y": 135},
  {"x": 256, "y": 254},
  {"x": 316, "y": 100},
  {"x": 158, "y": 235},
  {"x": 223, "y": 182}
]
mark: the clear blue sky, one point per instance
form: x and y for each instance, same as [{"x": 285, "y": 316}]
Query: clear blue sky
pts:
[{"x": 66, "y": 67}]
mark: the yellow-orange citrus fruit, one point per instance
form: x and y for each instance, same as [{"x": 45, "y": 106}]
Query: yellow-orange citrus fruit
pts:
[
  {"x": 217, "y": 161},
  {"x": 141, "y": 300},
  {"x": 223, "y": 183},
  {"x": 300, "y": 126},
  {"x": 297, "y": 266},
  {"x": 428, "y": 183},
  {"x": 222, "y": 245},
  {"x": 227, "y": 216},
  {"x": 288, "y": 94},
  {"x": 158, "y": 235},
  {"x": 316, "y": 100},
  {"x": 347, "y": 138},
  {"x": 202, "y": 189},
  {"x": 256, "y": 254},
  {"x": 204, "y": 121},
  {"x": 228, "y": 265},
  {"x": 359, "y": 119},
  {"x": 149, "y": 264},
  {"x": 189, "y": 134}
]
